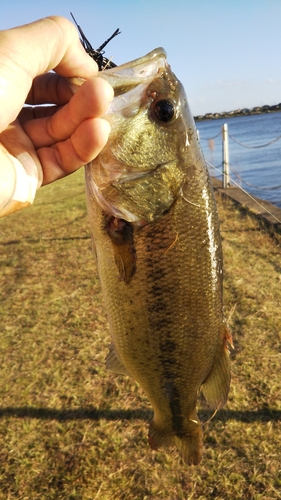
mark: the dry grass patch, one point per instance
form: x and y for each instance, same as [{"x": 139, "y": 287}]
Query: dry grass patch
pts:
[{"x": 71, "y": 430}]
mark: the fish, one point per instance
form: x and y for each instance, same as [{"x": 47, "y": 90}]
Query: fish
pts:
[{"x": 156, "y": 238}]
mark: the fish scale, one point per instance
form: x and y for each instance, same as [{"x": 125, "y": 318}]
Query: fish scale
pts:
[{"x": 160, "y": 265}]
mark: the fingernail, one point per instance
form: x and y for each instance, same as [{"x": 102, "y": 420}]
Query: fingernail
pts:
[{"x": 110, "y": 93}]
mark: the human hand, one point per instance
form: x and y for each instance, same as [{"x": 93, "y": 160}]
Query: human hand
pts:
[{"x": 41, "y": 144}]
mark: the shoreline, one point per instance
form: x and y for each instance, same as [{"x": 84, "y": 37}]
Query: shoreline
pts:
[
  {"x": 254, "y": 206},
  {"x": 257, "y": 110}
]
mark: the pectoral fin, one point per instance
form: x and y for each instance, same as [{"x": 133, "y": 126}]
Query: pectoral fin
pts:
[
  {"x": 216, "y": 386},
  {"x": 121, "y": 235}
]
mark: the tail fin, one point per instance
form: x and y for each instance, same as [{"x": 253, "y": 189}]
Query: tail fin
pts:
[{"x": 189, "y": 445}]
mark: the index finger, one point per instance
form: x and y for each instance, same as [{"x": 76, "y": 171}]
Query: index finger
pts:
[{"x": 33, "y": 49}]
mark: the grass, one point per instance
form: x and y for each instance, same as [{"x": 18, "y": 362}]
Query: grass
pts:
[{"x": 69, "y": 429}]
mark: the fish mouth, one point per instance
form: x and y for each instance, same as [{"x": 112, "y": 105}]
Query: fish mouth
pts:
[{"x": 129, "y": 77}]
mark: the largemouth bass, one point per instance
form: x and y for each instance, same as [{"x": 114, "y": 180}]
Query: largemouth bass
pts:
[{"x": 156, "y": 238}]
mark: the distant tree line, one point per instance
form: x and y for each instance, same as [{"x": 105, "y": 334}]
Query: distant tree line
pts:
[{"x": 239, "y": 112}]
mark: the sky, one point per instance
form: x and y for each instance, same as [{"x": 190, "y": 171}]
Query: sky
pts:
[{"x": 225, "y": 52}]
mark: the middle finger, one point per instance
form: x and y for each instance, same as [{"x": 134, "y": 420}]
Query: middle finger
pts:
[{"x": 90, "y": 101}]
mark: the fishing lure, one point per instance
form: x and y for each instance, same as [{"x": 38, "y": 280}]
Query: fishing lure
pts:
[{"x": 97, "y": 54}]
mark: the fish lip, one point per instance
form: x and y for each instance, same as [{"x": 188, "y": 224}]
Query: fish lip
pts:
[
  {"x": 139, "y": 71},
  {"x": 159, "y": 52}
]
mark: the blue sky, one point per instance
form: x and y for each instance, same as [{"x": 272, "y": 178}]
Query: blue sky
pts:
[{"x": 225, "y": 52}]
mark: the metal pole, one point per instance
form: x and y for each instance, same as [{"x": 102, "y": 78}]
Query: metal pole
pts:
[{"x": 225, "y": 157}]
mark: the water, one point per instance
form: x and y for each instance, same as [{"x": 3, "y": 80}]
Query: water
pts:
[{"x": 258, "y": 167}]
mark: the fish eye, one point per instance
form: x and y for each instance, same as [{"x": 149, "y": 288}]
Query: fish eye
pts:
[{"x": 164, "y": 110}]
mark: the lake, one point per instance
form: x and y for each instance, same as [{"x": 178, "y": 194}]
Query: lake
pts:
[{"x": 259, "y": 168}]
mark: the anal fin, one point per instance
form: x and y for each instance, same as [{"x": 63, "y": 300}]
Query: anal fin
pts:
[
  {"x": 114, "y": 364},
  {"x": 216, "y": 387}
]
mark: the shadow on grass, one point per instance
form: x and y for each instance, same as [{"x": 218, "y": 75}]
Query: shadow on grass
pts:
[
  {"x": 92, "y": 413},
  {"x": 45, "y": 239},
  {"x": 81, "y": 413}
]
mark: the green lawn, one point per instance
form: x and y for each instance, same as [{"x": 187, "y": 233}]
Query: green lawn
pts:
[{"x": 71, "y": 430}]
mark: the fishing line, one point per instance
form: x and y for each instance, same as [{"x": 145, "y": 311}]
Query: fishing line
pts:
[{"x": 246, "y": 192}]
